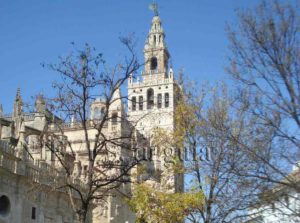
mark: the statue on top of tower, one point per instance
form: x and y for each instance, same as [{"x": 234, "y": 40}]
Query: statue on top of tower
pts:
[{"x": 154, "y": 7}]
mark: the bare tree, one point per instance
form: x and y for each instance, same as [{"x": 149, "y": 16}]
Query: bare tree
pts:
[
  {"x": 213, "y": 125},
  {"x": 104, "y": 136},
  {"x": 265, "y": 62}
]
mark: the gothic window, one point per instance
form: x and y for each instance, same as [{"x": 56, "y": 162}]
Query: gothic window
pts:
[
  {"x": 154, "y": 40},
  {"x": 133, "y": 101},
  {"x": 153, "y": 63},
  {"x": 114, "y": 118},
  {"x": 167, "y": 100},
  {"x": 159, "y": 100},
  {"x": 141, "y": 102},
  {"x": 150, "y": 98},
  {"x": 159, "y": 38}
]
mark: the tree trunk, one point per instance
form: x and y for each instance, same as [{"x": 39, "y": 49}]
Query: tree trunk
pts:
[{"x": 83, "y": 217}]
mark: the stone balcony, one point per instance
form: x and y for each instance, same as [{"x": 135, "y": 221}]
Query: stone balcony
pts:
[{"x": 153, "y": 77}]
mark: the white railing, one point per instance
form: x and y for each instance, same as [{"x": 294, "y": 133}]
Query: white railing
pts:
[{"x": 152, "y": 72}]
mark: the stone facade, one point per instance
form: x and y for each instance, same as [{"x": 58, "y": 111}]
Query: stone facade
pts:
[
  {"x": 26, "y": 193},
  {"x": 26, "y": 183}
]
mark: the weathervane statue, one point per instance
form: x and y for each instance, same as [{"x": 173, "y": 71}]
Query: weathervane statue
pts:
[{"x": 153, "y": 6}]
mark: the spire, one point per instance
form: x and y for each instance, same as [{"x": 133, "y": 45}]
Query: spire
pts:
[
  {"x": 18, "y": 94},
  {"x": 156, "y": 36},
  {"x": 18, "y": 104},
  {"x": 155, "y": 51},
  {"x": 1, "y": 111}
]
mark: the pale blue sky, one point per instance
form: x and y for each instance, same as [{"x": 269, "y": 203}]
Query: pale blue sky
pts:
[{"x": 36, "y": 31}]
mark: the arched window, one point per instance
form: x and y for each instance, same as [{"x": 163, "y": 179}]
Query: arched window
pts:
[
  {"x": 150, "y": 98},
  {"x": 159, "y": 100},
  {"x": 167, "y": 100},
  {"x": 153, "y": 63},
  {"x": 154, "y": 40},
  {"x": 141, "y": 103},
  {"x": 133, "y": 101},
  {"x": 97, "y": 113}
]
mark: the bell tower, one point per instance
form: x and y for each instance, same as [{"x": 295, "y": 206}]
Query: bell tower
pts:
[
  {"x": 152, "y": 102},
  {"x": 151, "y": 95}
]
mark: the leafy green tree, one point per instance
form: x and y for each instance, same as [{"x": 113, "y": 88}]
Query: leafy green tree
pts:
[{"x": 157, "y": 206}]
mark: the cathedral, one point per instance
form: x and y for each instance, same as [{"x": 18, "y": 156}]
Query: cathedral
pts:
[{"x": 25, "y": 168}]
